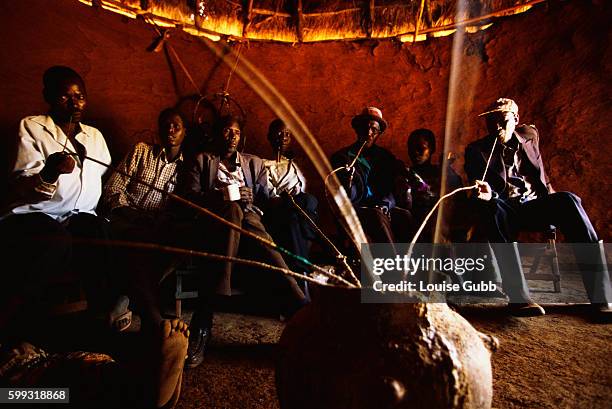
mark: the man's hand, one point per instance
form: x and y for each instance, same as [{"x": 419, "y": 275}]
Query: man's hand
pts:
[
  {"x": 56, "y": 164},
  {"x": 246, "y": 195},
  {"x": 484, "y": 190}
]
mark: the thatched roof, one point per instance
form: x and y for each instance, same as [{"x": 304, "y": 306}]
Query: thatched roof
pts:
[{"x": 308, "y": 21}]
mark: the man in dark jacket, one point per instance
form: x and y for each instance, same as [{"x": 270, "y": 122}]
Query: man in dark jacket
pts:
[
  {"x": 370, "y": 180},
  {"x": 515, "y": 195},
  {"x": 234, "y": 186}
]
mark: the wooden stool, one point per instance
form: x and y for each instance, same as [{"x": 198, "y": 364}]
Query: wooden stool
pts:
[
  {"x": 179, "y": 294},
  {"x": 547, "y": 252}
]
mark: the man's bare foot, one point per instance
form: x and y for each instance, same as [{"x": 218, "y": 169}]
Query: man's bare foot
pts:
[{"x": 174, "y": 337}]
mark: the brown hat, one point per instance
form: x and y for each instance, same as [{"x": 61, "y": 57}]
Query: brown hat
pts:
[
  {"x": 368, "y": 114},
  {"x": 502, "y": 105}
]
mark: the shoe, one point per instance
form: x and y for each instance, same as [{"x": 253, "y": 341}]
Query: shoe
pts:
[
  {"x": 119, "y": 317},
  {"x": 603, "y": 312},
  {"x": 527, "y": 309},
  {"x": 198, "y": 343}
]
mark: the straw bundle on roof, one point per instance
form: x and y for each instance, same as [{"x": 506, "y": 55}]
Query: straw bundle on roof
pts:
[{"x": 308, "y": 21}]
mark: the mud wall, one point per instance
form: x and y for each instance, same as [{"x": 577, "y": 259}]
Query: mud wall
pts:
[{"x": 554, "y": 61}]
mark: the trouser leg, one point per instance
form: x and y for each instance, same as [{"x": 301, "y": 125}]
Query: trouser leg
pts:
[
  {"x": 290, "y": 228},
  {"x": 36, "y": 247},
  {"x": 376, "y": 225},
  {"x": 402, "y": 225},
  {"x": 93, "y": 261},
  {"x": 284, "y": 286},
  {"x": 215, "y": 277},
  {"x": 565, "y": 211},
  {"x": 499, "y": 222}
]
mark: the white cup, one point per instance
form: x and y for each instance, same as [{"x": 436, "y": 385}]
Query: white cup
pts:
[{"x": 231, "y": 193}]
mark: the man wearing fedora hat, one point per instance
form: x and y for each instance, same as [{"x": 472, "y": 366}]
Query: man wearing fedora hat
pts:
[
  {"x": 515, "y": 195},
  {"x": 369, "y": 179}
]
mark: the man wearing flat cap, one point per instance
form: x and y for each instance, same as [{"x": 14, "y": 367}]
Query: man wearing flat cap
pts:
[
  {"x": 369, "y": 178},
  {"x": 515, "y": 195}
]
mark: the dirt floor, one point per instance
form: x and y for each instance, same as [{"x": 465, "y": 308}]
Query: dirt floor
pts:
[{"x": 561, "y": 360}]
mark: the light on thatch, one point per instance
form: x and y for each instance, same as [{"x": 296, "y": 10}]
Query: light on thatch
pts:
[
  {"x": 409, "y": 38},
  {"x": 475, "y": 29},
  {"x": 200, "y": 33},
  {"x": 443, "y": 33},
  {"x": 325, "y": 20}
]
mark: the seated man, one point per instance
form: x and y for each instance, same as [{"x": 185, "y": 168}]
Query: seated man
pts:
[
  {"x": 54, "y": 192},
  {"x": 234, "y": 186},
  {"x": 421, "y": 145},
  {"x": 425, "y": 180},
  {"x": 286, "y": 224},
  {"x": 138, "y": 212},
  {"x": 516, "y": 195},
  {"x": 370, "y": 182},
  {"x": 149, "y": 376}
]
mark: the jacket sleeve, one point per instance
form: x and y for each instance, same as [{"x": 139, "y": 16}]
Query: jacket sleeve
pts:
[
  {"x": 536, "y": 145},
  {"x": 192, "y": 182}
]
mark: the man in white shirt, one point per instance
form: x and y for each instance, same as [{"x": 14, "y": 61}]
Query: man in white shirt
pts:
[
  {"x": 283, "y": 220},
  {"x": 54, "y": 191}
]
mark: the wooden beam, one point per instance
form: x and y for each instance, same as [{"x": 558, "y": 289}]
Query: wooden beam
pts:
[
  {"x": 369, "y": 18},
  {"x": 417, "y": 23},
  {"x": 299, "y": 20},
  {"x": 247, "y": 16}
]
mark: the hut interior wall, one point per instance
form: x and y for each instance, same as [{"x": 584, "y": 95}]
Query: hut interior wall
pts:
[{"x": 555, "y": 62}]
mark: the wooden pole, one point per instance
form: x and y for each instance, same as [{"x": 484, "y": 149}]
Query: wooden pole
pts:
[
  {"x": 299, "y": 21},
  {"x": 418, "y": 21},
  {"x": 369, "y": 18},
  {"x": 247, "y": 17}
]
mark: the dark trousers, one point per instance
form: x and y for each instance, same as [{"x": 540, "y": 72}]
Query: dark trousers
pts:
[
  {"x": 501, "y": 221},
  {"x": 41, "y": 248},
  {"x": 290, "y": 229},
  {"x": 396, "y": 227},
  {"x": 144, "y": 269},
  {"x": 216, "y": 277}
]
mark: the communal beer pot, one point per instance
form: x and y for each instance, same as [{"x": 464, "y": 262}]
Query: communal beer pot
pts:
[{"x": 339, "y": 353}]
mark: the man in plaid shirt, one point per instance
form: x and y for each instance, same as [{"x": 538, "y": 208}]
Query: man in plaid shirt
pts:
[
  {"x": 156, "y": 165},
  {"x": 138, "y": 211}
]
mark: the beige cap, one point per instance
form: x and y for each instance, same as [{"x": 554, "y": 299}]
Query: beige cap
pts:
[{"x": 502, "y": 105}]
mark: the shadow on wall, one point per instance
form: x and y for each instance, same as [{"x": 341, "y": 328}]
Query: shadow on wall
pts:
[{"x": 8, "y": 153}]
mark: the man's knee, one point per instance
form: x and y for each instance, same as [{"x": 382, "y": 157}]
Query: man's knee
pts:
[
  {"x": 568, "y": 200},
  {"x": 232, "y": 212},
  {"x": 88, "y": 225},
  {"x": 310, "y": 202},
  {"x": 31, "y": 223}
]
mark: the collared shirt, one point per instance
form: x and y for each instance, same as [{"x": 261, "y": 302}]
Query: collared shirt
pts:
[
  {"x": 226, "y": 177},
  {"x": 518, "y": 181},
  {"x": 147, "y": 163},
  {"x": 78, "y": 191},
  {"x": 284, "y": 175}
]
